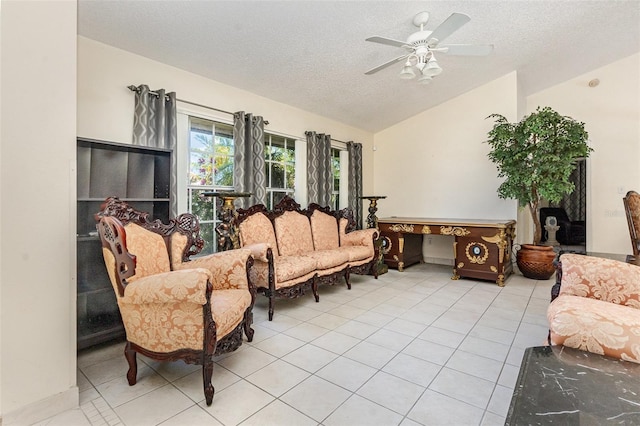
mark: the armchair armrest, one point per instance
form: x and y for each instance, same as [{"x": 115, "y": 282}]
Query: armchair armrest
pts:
[
  {"x": 169, "y": 287},
  {"x": 228, "y": 268},
  {"x": 599, "y": 278},
  {"x": 259, "y": 251}
]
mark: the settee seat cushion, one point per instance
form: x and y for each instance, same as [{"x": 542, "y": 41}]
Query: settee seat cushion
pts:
[
  {"x": 328, "y": 259},
  {"x": 358, "y": 253},
  {"x": 595, "y": 326},
  {"x": 289, "y": 268},
  {"x": 228, "y": 307}
]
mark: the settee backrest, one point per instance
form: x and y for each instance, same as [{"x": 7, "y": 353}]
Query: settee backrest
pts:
[
  {"x": 293, "y": 232},
  {"x": 324, "y": 229},
  {"x": 257, "y": 228}
]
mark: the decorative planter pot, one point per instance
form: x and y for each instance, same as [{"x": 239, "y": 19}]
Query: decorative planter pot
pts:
[{"x": 536, "y": 262}]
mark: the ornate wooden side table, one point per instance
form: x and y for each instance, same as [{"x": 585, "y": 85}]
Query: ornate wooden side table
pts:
[{"x": 226, "y": 229}]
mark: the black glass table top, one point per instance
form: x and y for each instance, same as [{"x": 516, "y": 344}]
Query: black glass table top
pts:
[{"x": 566, "y": 386}]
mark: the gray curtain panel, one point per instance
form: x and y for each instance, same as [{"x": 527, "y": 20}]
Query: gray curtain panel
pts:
[
  {"x": 154, "y": 125},
  {"x": 575, "y": 203},
  {"x": 249, "y": 172},
  {"x": 355, "y": 181},
  {"x": 319, "y": 177}
]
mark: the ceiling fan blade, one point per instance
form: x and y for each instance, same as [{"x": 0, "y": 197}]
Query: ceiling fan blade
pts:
[
  {"x": 387, "y": 41},
  {"x": 448, "y": 27},
  {"x": 386, "y": 64},
  {"x": 466, "y": 49}
]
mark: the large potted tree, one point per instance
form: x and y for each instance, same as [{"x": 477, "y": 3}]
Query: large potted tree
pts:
[{"x": 536, "y": 157}]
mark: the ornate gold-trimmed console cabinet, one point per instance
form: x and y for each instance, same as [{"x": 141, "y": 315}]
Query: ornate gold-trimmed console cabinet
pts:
[{"x": 482, "y": 248}]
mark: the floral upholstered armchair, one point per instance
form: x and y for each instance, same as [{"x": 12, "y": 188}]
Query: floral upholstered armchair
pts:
[
  {"x": 597, "y": 306},
  {"x": 173, "y": 307}
]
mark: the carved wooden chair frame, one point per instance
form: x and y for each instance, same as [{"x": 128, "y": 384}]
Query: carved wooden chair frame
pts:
[
  {"x": 633, "y": 232},
  {"x": 111, "y": 220}
]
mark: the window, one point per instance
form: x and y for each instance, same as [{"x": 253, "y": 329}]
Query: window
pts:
[
  {"x": 210, "y": 169},
  {"x": 335, "y": 171},
  {"x": 280, "y": 168}
]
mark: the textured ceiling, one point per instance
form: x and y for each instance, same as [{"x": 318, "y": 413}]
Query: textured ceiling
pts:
[{"x": 313, "y": 54}]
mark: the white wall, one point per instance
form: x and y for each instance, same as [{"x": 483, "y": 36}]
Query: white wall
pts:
[
  {"x": 611, "y": 113},
  {"x": 435, "y": 164},
  {"x": 105, "y": 105},
  {"x": 37, "y": 222}
]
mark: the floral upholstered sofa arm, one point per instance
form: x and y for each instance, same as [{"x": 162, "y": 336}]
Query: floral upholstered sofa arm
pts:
[
  {"x": 602, "y": 279},
  {"x": 259, "y": 251},
  {"x": 360, "y": 237},
  {"x": 189, "y": 285},
  {"x": 228, "y": 269}
]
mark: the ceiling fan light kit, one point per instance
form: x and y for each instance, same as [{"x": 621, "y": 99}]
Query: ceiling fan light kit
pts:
[{"x": 422, "y": 45}]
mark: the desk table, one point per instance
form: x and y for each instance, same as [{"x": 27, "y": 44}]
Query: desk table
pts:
[{"x": 482, "y": 248}]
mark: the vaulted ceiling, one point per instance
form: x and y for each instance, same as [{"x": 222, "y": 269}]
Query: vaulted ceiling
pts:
[{"x": 313, "y": 55}]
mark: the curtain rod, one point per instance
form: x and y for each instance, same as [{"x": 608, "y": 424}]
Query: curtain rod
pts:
[{"x": 135, "y": 89}]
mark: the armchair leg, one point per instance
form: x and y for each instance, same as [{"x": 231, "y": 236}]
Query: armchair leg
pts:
[
  {"x": 314, "y": 288},
  {"x": 347, "y": 275},
  {"x": 207, "y": 373},
  {"x": 248, "y": 320},
  {"x": 271, "y": 301},
  {"x": 130, "y": 355}
]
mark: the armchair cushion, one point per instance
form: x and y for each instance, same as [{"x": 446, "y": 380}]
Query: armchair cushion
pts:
[
  {"x": 189, "y": 285},
  {"x": 228, "y": 307},
  {"x": 597, "y": 308},
  {"x": 150, "y": 250},
  {"x": 602, "y": 279},
  {"x": 594, "y": 326}
]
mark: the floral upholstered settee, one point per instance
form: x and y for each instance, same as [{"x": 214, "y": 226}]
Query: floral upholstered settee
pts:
[
  {"x": 174, "y": 307},
  {"x": 597, "y": 308},
  {"x": 304, "y": 248}
]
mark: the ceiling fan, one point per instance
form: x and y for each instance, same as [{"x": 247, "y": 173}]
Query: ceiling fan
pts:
[{"x": 422, "y": 45}]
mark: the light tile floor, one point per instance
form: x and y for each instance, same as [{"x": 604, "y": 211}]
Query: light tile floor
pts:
[{"x": 411, "y": 348}]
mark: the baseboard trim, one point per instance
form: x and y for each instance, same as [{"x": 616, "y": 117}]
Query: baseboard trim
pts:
[
  {"x": 439, "y": 261},
  {"x": 43, "y": 409}
]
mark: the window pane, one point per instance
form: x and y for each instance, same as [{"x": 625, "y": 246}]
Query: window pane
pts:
[
  {"x": 211, "y": 162},
  {"x": 202, "y": 207},
  {"x": 201, "y": 167},
  {"x": 224, "y": 171},
  {"x": 277, "y": 175},
  {"x": 291, "y": 176},
  {"x": 208, "y": 234},
  {"x": 277, "y": 197}
]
